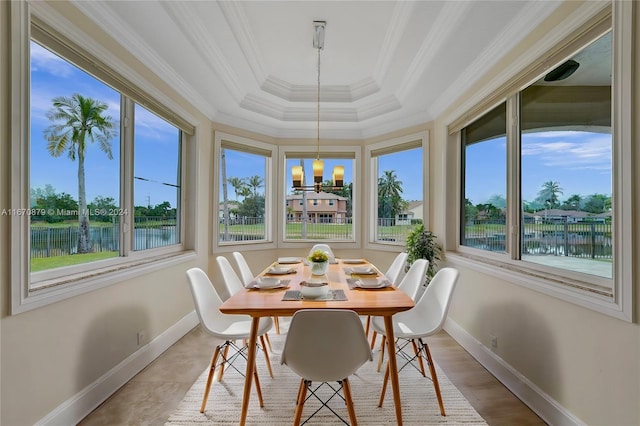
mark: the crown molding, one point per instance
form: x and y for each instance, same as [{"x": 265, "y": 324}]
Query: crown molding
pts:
[
  {"x": 113, "y": 26},
  {"x": 399, "y": 21}
]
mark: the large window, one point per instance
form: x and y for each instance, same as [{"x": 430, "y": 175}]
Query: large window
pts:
[
  {"x": 398, "y": 181},
  {"x": 324, "y": 215},
  {"x": 103, "y": 175},
  {"x": 244, "y": 190},
  {"x": 544, "y": 176}
]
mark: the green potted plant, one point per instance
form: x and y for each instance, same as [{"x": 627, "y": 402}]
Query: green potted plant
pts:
[
  {"x": 319, "y": 261},
  {"x": 421, "y": 244}
]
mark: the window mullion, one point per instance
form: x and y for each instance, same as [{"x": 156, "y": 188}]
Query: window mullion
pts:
[
  {"x": 514, "y": 198},
  {"x": 126, "y": 175}
]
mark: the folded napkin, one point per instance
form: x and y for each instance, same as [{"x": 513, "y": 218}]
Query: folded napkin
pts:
[
  {"x": 368, "y": 283},
  {"x": 363, "y": 270},
  {"x": 262, "y": 286},
  {"x": 281, "y": 271},
  {"x": 331, "y": 295}
]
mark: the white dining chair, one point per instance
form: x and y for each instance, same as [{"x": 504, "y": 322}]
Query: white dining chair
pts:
[
  {"x": 234, "y": 285},
  {"x": 393, "y": 274},
  {"x": 325, "y": 345},
  {"x": 325, "y": 248},
  {"x": 410, "y": 284},
  {"x": 423, "y": 320},
  {"x": 247, "y": 276},
  {"x": 227, "y": 328}
]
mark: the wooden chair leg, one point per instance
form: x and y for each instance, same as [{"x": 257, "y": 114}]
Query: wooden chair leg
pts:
[
  {"x": 415, "y": 351},
  {"x": 373, "y": 339},
  {"x": 266, "y": 337},
  {"x": 434, "y": 378},
  {"x": 256, "y": 380},
  {"x": 300, "y": 388},
  {"x": 266, "y": 356},
  {"x": 381, "y": 355},
  {"x": 367, "y": 325},
  {"x": 224, "y": 360},
  {"x": 384, "y": 386},
  {"x": 303, "y": 395},
  {"x": 346, "y": 387},
  {"x": 276, "y": 323},
  {"x": 212, "y": 368}
]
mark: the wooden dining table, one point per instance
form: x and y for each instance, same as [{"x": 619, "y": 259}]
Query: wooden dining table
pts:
[{"x": 257, "y": 303}]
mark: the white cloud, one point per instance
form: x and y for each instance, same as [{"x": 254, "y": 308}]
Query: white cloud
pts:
[
  {"x": 570, "y": 150},
  {"x": 45, "y": 61}
]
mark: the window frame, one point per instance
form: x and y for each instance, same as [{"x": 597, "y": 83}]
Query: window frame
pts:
[
  {"x": 574, "y": 287},
  {"x": 251, "y": 146},
  {"x": 391, "y": 146},
  {"x": 30, "y": 290}
]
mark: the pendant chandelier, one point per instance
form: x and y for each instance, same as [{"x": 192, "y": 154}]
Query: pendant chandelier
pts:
[{"x": 297, "y": 172}]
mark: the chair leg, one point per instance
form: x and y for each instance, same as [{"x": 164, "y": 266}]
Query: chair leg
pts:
[
  {"x": 276, "y": 323},
  {"x": 300, "y": 388},
  {"x": 224, "y": 360},
  {"x": 373, "y": 339},
  {"x": 212, "y": 368},
  {"x": 434, "y": 377},
  {"x": 302, "y": 396},
  {"x": 266, "y": 337},
  {"x": 381, "y": 355},
  {"x": 257, "y": 382},
  {"x": 266, "y": 356},
  {"x": 415, "y": 351},
  {"x": 346, "y": 387},
  {"x": 368, "y": 324},
  {"x": 384, "y": 386}
]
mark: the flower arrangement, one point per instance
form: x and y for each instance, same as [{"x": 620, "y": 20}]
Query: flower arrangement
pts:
[{"x": 318, "y": 256}]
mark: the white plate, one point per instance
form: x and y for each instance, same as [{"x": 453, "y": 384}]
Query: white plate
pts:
[
  {"x": 267, "y": 282},
  {"x": 365, "y": 270},
  {"x": 288, "y": 259},
  {"x": 370, "y": 283},
  {"x": 279, "y": 270},
  {"x": 353, "y": 261}
]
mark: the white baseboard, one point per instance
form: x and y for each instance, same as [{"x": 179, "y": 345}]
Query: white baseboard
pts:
[
  {"x": 540, "y": 402},
  {"x": 81, "y": 404}
]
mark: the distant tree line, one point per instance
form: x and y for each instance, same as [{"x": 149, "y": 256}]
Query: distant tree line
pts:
[
  {"x": 61, "y": 207},
  {"x": 547, "y": 198}
]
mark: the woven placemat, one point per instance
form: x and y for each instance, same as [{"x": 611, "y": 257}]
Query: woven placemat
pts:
[{"x": 337, "y": 295}]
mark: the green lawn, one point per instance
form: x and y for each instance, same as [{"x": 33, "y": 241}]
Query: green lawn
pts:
[{"x": 44, "y": 263}]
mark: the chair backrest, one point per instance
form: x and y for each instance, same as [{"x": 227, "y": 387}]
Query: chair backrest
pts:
[
  {"x": 433, "y": 306},
  {"x": 245, "y": 272},
  {"x": 325, "y": 248},
  {"x": 231, "y": 279},
  {"x": 325, "y": 344},
  {"x": 416, "y": 276},
  {"x": 394, "y": 273},
  {"x": 205, "y": 298}
]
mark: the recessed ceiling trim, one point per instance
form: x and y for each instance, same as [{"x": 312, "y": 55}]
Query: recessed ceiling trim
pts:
[
  {"x": 107, "y": 23},
  {"x": 307, "y": 93},
  {"x": 194, "y": 29},
  {"x": 446, "y": 23},
  {"x": 241, "y": 29},
  {"x": 375, "y": 109},
  {"x": 399, "y": 21}
]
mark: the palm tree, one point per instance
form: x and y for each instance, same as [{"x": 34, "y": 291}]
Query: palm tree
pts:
[
  {"x": 225, "y": 198},
  {"x": 237, "y": 184},
  {"x": 254, "y": 183},
  {"x": 548, "y": 195},
  {"x": 390, "y": 200},
  {"x": 76, "y": 121}
]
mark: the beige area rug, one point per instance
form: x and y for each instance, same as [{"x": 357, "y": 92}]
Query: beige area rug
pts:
[{"x": 419, "y": 403}]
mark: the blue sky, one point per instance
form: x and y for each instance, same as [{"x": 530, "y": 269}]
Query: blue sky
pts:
[{"x": 579, "y": 161}]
